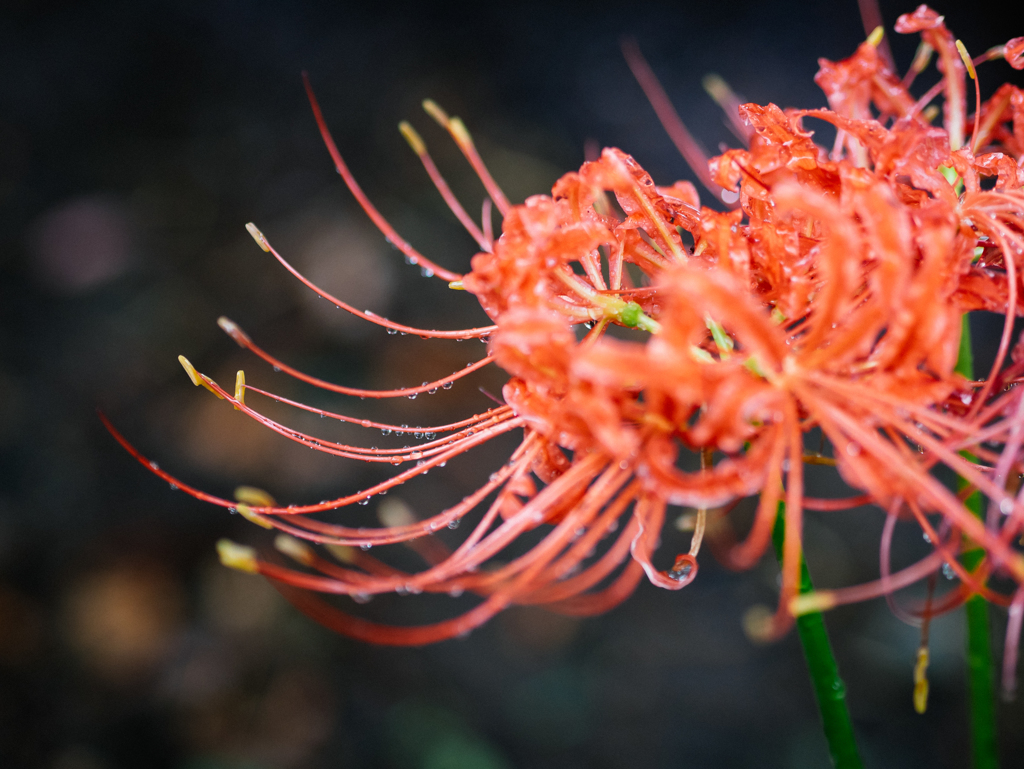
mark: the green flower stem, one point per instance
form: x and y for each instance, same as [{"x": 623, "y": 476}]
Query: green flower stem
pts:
[
  {"x": 980, "y": 665},
  {"x": 984, "y": 745},
  {"x": 829, "y": 689}
]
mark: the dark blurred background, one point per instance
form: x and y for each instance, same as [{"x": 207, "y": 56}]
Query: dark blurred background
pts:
[{"x": 136, "y": 139}]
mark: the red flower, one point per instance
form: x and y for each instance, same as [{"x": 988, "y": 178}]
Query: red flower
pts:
[{"x": 830, "y": 298}]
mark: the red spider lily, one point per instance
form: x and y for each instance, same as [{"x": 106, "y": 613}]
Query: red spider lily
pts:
[{"x": 830, "y": 298}]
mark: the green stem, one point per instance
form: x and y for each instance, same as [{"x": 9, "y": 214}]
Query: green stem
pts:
[
  {"x": 984, "y": 745},
  {"x": 980, "y": 665},
  {"x": 829, "y": 689}
]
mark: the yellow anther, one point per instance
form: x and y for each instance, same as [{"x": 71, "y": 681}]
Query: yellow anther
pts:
[
  {"x": 251, "y": 495},
  {"x": 875, "y": 38},
  {"x": 246, "y": 512},
  {"x": 294, "y": 549},
  {"x": 227, "y": 325},
  {"x": 818, "y": 459},
  {"x": 413, "y": 138},
  {"x": 456, "y": 285},
  {"x": 808, "y": 603},
  {"x": 239, "y": 388},
  {"x": 431, "y": 108},
  {"x": 258, "y": 236},
  {"x": 717, "y": 89},
  {"x": 236, "y": 556},
  {"x": 921, "y": 680},
  {"x": 459, "y": 131},
  {"x": 196, "y": 377},
  {"x": 394, "y": 512},
  {"x": 922, "y": 57},
  {"x": 231, "y": 329},
  {"x": 190, "y": 370},
  {"x": 967, "y": 59},
  {"x": 929, "y": 113},
  {"x": 686, "y": 522}
]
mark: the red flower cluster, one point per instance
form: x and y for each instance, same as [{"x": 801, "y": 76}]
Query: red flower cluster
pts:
[{"x": 829, "y": 298}]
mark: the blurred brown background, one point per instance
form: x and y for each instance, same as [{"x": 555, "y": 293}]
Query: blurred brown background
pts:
[{"x": 136, "y": 139}]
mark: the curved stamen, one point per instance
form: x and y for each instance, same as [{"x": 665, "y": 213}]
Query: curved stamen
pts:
[
  {"x": 420, "y": 148},
  {"x": 469, "y": 333},
  {"x": 692, "y": 152},
  {"x": 390, "y": 456},
  {"x": 350, "y": 181},
  {"x": 397, "y": 480},
  {"x": 243, "y": 340},
  {"x": 457, "y": 129},
  {"x": 476, "y": 419}
]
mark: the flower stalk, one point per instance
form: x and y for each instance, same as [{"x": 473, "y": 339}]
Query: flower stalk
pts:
[
  {"x": 829, "y": 689},
  {"x": 980, "y": 663}
]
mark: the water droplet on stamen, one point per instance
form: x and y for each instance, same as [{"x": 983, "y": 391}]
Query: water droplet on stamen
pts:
[{"x": 365, "y": 546}]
